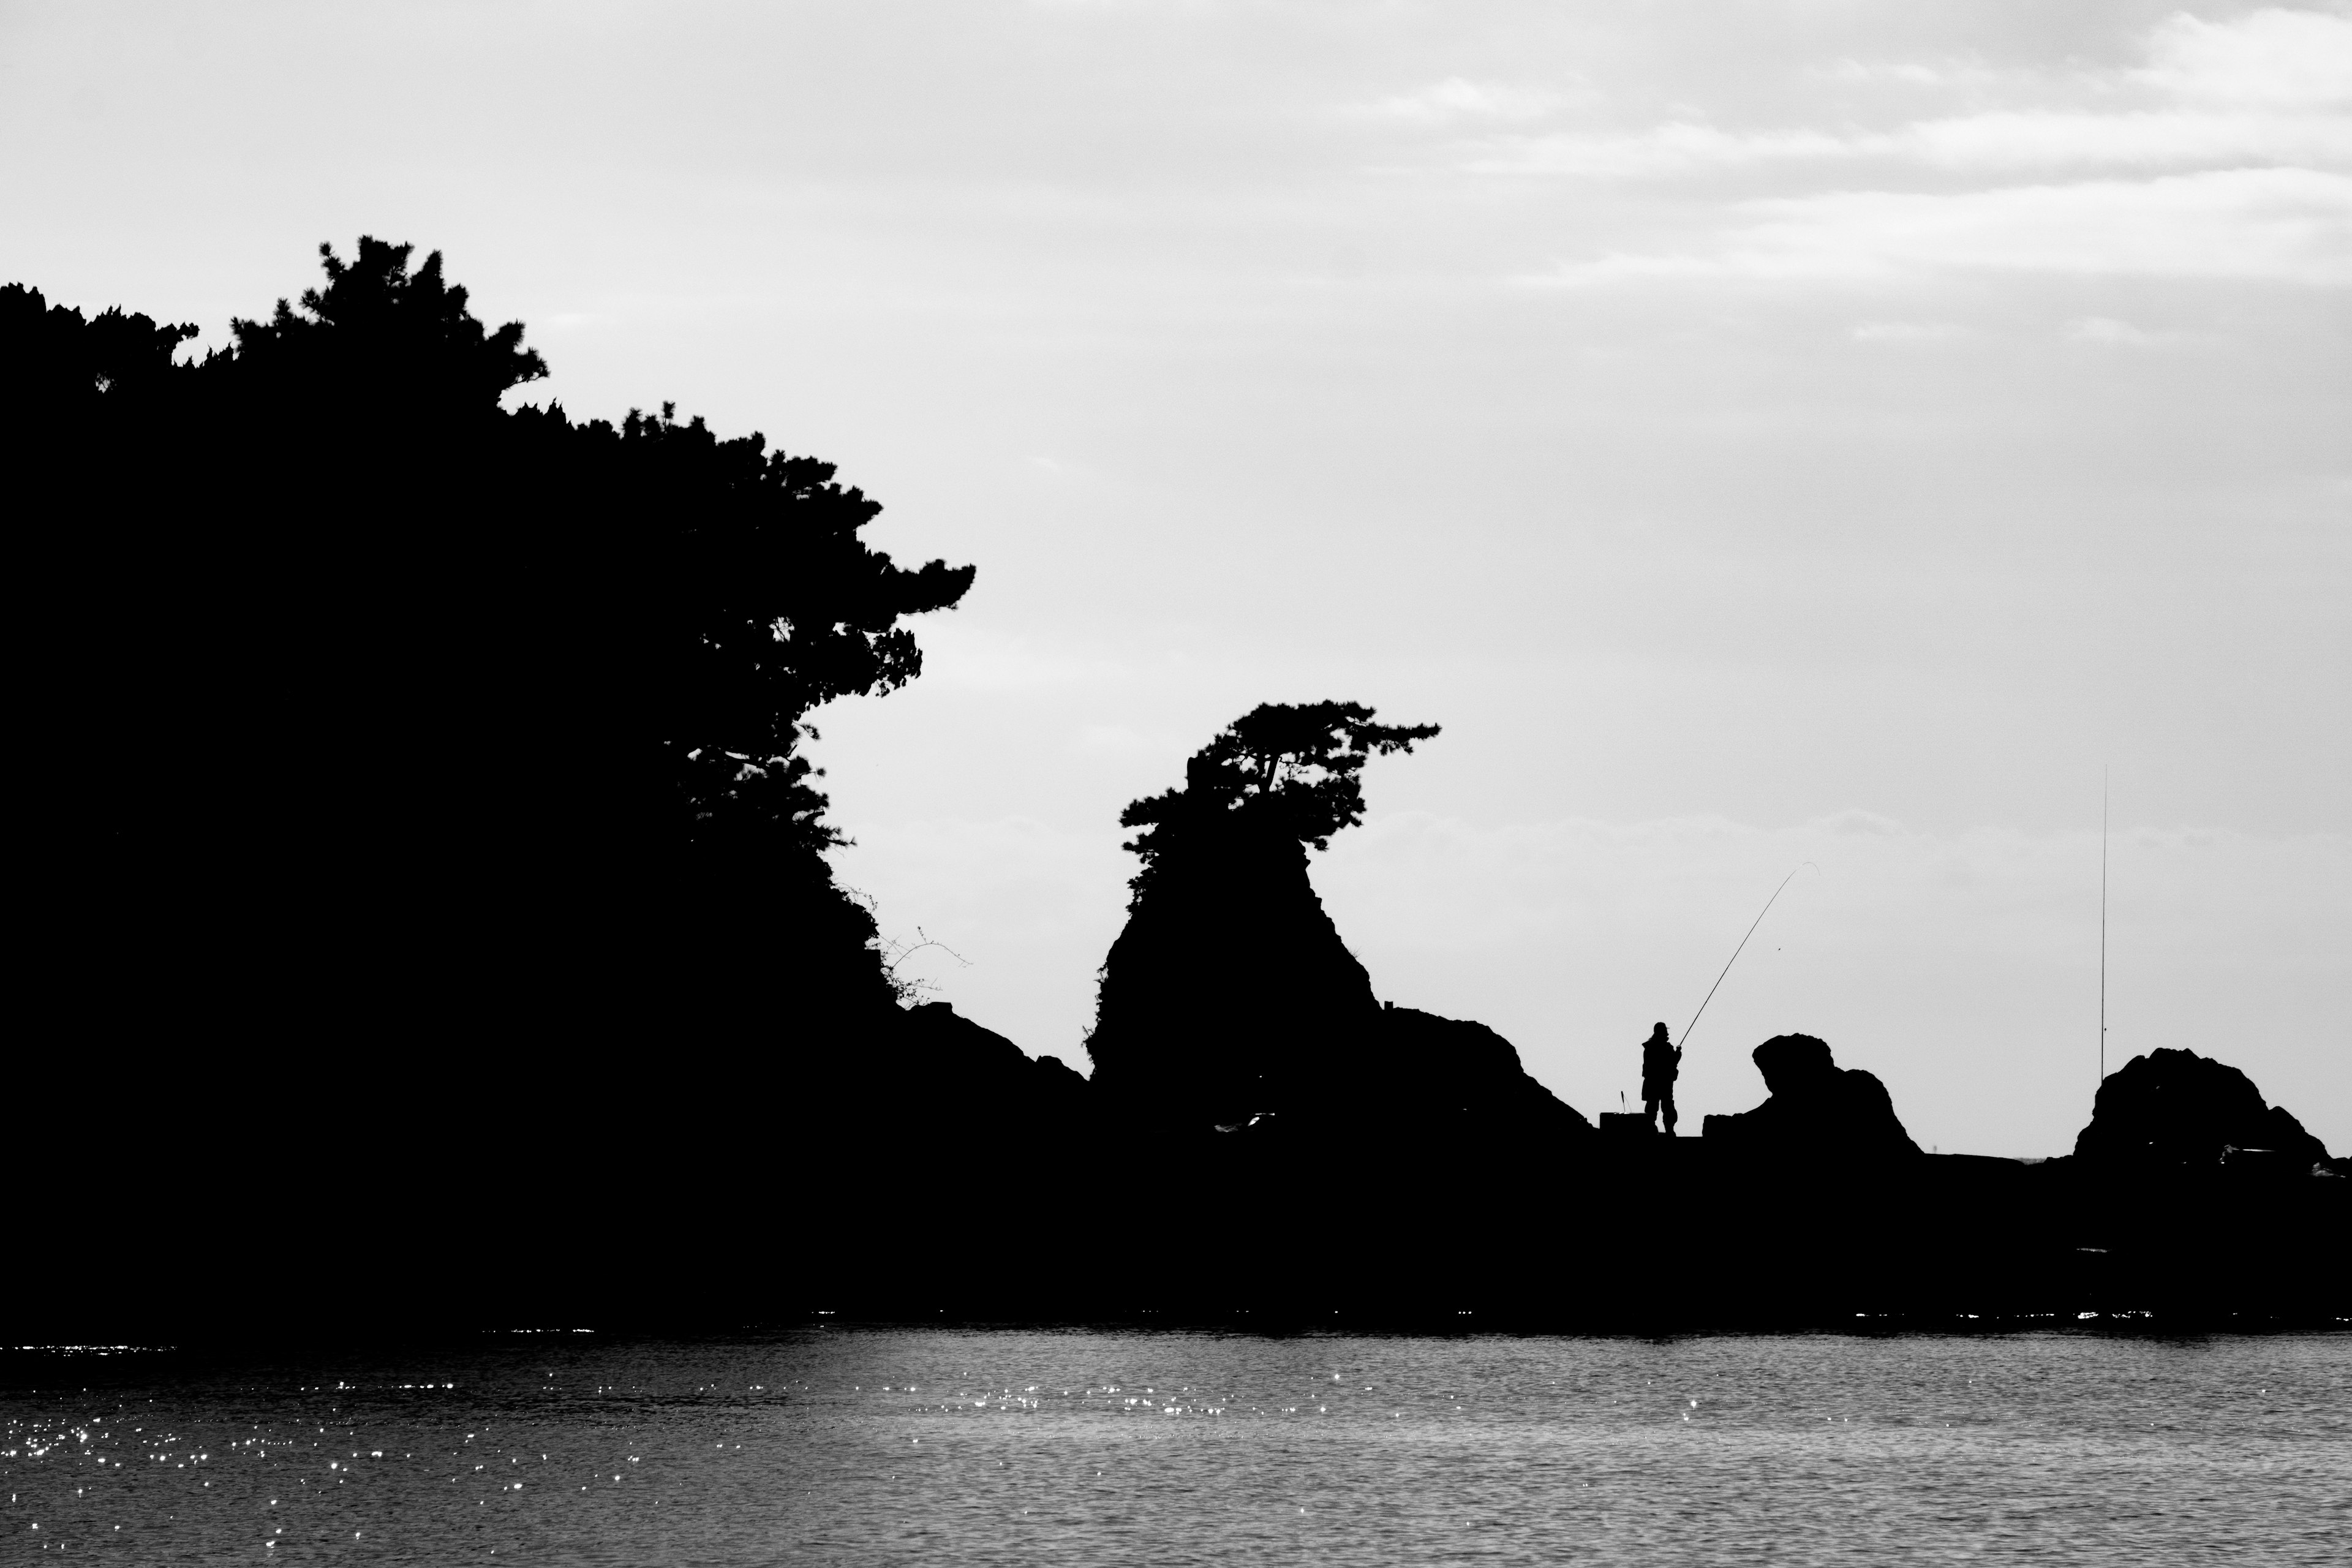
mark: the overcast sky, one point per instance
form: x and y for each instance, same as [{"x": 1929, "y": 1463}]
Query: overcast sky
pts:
[{"x": 1762, "y": 434}]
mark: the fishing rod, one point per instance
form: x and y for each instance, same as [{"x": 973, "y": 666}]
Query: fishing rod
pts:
[
  {"x": 1742, "y": 947},
  {"x": 2103, "y": 924}
]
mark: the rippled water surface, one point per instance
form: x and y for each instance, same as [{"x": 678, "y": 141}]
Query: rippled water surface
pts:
[{"x": 853, "y": 1445}]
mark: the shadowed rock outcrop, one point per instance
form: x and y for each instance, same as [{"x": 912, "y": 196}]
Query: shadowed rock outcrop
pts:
[
  {"x": 1817, "y": 1111},
  {"x": 1230, "y": 998},
  {"x": 971, "y": 1074},
  {"x": 914, "y": 1158},
  {"x": 1229, "y": 1001},
  {"x": 2175, "y": 1108},
  {"x": 1229, "y": 995},
  {"x": 1431, "y": 1073}
]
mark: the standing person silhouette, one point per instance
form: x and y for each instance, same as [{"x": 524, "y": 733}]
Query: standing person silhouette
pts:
[{"x": 1661, "y": 1062}]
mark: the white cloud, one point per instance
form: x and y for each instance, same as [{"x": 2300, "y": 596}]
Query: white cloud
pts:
[
  {"x": 1948, "y": 74},
  {"x": 1855, "y": 820},
  {"x": 2278, "y": 224},
  {"x": 1903, "y": 333},
  {"x": 1989, "y": 142},
  {"x": 2275, "y": 57},
  {"x": 957, "y": 654},
  {"x": 1677, "y": 148},
  {"x": 2247, "y": 149},
  {"x": 2272, "y": 225},
  {"x": 2107, "y": 330},
  {"x": 2272, "y": 59},
  {"x": 2268, "y": 90},
  {"x": 2169, "y": 139},
  {"x": 1458, "y": 99}
]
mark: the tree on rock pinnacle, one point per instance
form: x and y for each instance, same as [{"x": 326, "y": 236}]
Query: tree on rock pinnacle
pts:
[
  {"x": 1293, "y": 769},
  {"x": 1229, "y": 995}
]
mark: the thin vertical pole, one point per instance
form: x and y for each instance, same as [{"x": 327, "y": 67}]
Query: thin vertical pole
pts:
[{"x": 2103, "y": 923}]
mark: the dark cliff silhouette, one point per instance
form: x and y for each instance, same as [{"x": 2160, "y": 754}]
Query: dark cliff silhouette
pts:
[{"x": 1817, "y": 1110}]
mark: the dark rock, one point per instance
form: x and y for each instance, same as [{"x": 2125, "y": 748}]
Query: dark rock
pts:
[
  {"x": 2172, "y": 1108},
  {"x": 1229, "y": 995},
  {"x": 967, "y": 1071},
  {"x": 1817, "y": 1110},
  {"x": 918, "y": 1140},
  {"x": 1417, "y": 1068},
  {"x": 920, "y": 1073},
  {"x": 1229, "y": 1001}
]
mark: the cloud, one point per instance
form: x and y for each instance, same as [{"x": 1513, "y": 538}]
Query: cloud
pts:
[
  {"x": 2272, "y": 88},
  {"x": 2107, "y": 330},
  {"x": 2243, "y": 131},
  {"x": 956, "y": 654},
  {"x": 2274, "y": 57},
  {"x": 1677, "y": 148},
  {"x": 2168, "y": 138},
  {"x": 1855, "y": 820},
  {"x": 1457, "y": 99},
  {"x": 2270, "y": 224},
  {"x": 1907, "y": 332},
  {"x": 1948, "y": 74},
  {"x": 1991, "y": 141}
]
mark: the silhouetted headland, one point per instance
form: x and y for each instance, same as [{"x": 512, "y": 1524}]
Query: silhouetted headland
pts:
[{"x": 429, "y": 924}]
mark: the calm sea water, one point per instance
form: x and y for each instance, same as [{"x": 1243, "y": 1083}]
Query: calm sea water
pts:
[{"x": 856, "y": 1445}]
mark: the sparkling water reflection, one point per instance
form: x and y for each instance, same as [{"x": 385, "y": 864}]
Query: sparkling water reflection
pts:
[{"x": 856, "y": 1445}]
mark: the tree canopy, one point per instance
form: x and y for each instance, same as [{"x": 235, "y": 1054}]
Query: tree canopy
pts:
[
  {"x": 1289, "y": 768},
  {"x": 770, "y": 605},
  {"x": 373, "y": 636},
  {"x": 397, "y": 334}
]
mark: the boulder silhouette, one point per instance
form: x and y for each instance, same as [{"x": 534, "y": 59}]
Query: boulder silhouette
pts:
[
  {"x": 1817, "y": 1110},
  {"x": 2175, "y": 1108},
  {"x": 1419, "y": 1070},
  {"x": 1229, "y": 995}
]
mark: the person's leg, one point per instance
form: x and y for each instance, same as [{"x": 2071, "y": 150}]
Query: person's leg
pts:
[
  {"x": 1649, "y": 1108},
  {"x": 1666, "y": 1104}
]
